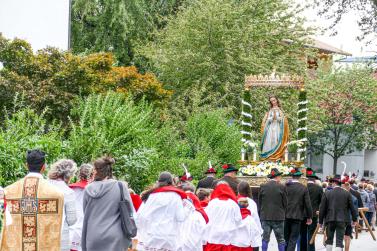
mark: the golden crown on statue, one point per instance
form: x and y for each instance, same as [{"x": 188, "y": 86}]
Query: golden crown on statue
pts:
[{"x": 293, "y": 81}]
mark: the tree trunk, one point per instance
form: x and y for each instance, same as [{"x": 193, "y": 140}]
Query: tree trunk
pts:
[{"x": 335, "y": 164}]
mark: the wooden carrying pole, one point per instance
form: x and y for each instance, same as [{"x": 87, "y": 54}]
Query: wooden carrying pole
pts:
[{"x": 361, "y": 212}]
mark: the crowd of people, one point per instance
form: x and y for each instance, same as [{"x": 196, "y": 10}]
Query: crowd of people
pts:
[{"x": 173, "y": 215}]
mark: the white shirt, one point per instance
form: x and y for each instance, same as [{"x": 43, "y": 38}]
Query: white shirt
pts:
[
  {"x": 75, "y": 230},
  {"x": 192, "y": 229},
  {"x": 224, "y": 220},
  {"x": 158, "y": 221},
  {"x": 69, "y": 212}
]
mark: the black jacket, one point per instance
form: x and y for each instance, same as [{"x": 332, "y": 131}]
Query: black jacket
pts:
[
  {"x": 299, "y": 206},
  {"x": 272, "y": 201},
  {"x": 233, "y": 183},
  {"x": 358, "y": 197},
  {"x": 207, "y": 182},
  {"x": 315, "y": 193},
  {"x": 336, "y": 205}
]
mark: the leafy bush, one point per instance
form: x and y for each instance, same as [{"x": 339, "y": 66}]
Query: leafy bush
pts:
[
  {"x": 25, "y": 130},
  {"x": 112, "y": 125},
  {"x": 211, "y": 136}
]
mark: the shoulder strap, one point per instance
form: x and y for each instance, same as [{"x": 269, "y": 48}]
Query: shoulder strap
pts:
[{"x": 121, "y": 190}]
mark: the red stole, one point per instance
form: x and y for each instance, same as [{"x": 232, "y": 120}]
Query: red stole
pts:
[
  {"x": 164, "y": 189},
  {"x": 81, "y": 184},
  {"x": 245, "y": 212},
  {"x": 136, "y": 201},
  {"x": 197, "y": 205}
]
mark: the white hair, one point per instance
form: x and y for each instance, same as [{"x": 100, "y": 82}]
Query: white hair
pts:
[{"x": 63, "y": 169}]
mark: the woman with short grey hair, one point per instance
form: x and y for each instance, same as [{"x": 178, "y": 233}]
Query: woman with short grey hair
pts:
[{"x": 59, "y": 175}]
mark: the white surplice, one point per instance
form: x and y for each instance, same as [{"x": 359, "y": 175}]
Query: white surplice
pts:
[
  {"x": 192, "y": 229},
  {"x": 158, "y": 221},
  {"x": 224, "y": 220},
  {"x": 246, "y": 233},
  {"x": 256, "y": 241}
]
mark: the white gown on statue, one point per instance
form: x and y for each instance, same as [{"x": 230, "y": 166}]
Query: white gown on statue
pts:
[
  {"x": 158, "y": 222},
  {"x": 192, "y": 229},
  {"x": 224, "y": 220},
  {"x": 272, "y": 129}
]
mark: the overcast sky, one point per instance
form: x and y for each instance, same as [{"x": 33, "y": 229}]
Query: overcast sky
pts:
[
  {"x": 45, "y": 22},
  {"x": 347, "y": 30},
  {"x": 41, "y": 22}
]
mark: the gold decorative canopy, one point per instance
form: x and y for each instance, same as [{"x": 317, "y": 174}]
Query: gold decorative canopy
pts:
[{"x": 274, "y": 80}]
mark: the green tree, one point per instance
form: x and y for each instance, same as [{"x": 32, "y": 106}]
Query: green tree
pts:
[
  {"x": 217, "y": 42},
  {"x": 118, "y": 25},
  {"x": 55, "y": 80},
  {"x": 343, "y": 112}
]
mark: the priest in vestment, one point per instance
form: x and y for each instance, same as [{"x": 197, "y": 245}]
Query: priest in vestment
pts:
[{"x": 35, "y": 207}]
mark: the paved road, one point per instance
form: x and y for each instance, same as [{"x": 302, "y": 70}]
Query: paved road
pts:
[{"x": 363, "y": 243}]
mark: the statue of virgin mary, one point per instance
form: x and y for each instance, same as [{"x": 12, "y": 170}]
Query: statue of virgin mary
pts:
[{"x": 275, "y": 132}]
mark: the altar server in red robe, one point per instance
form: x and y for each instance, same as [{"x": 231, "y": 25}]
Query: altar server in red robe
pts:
[
  {"x": 224, "y": 218},
  {"x": 160, "y": 216}
]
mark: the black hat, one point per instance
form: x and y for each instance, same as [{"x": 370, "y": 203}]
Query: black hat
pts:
[
  {"x": 336, "y": 179},
  {"x": 274, "y": 173},
  {"x": 227, "y": 168},
  {"x": 35, "y": 157},
  {"x": 310, "y": 173}
]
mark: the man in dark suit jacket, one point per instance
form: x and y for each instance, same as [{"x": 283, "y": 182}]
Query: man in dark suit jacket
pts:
[
  {"x": 208, "y": 181},
  {"x": 230, "y": 173},
  {"x": 335, "y": 207},
  {"x": 315, "y": 194},
  {"x": 273, "y": 201},
  {"x": 298, "y": 208}
]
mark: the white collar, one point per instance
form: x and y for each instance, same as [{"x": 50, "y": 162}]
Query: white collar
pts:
[
  {"x": 310, "y": 182},
  {"x": 295, "y": 181},
  {"x": 33, "y": 174}
]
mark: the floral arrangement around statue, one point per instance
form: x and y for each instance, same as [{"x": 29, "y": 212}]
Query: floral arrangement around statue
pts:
[{"x": 264, "y": 168}]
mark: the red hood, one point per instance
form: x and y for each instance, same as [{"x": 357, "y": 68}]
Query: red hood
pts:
[
  {"x": 197, "y": 205},
  {"x": 81, "y": 184},
  {"x": 224, "y": 192},
  {"x": 164, "y": 189}
]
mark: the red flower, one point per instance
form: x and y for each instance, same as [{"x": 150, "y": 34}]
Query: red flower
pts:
[
  {"x": 293, "y": 171},
  {"x": 273, "y": 173},
  {"x": 309, "y": 172},
  {"x": 225, "y": 166}
]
